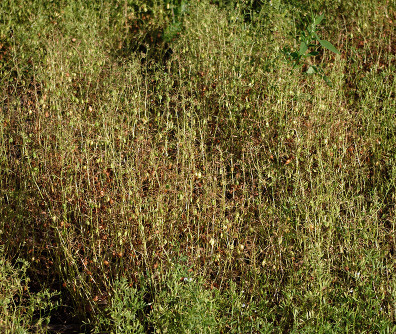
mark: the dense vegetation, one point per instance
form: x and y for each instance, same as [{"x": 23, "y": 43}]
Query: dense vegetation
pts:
[{"x": 169, "y": 167}]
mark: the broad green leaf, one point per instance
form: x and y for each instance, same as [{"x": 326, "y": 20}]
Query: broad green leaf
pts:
[
  {"x": 318, "y": 19},
  {"x": 312, "y": 70},
  {"x": 329, "y": 46},
  {"x": 303, "y": 48}
]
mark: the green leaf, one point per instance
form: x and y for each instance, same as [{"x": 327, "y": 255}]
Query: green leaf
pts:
[
  {"x": 312, "y": 70},
  {"x": 286, "y": 51},
  {"x": 303, "y": 48},
  {"x": 318, "y": 19},
  {"x": 328, "y": 81},
  {"x": 329, "y": 46},
  {"x": 295, "y": 56}
]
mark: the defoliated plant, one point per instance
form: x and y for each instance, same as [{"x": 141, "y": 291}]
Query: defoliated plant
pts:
[{"x": 309, "y": 47}]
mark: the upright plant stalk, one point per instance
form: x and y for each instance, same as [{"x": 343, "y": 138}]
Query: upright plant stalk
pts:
[{"x": 308, "y": 41}]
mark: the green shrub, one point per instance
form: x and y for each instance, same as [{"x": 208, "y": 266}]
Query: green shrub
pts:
[
  {"x": 124, "y": 315},
  {"x": 183, "y": 304},
  {"x": 20, "y": 310}
]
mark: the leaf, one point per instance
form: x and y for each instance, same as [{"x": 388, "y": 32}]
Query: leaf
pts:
[
  {"x": 286, "y": 51},
  {"x": 318, "y": 19},
  {"x": 295, "y": 56},
  {"x": 303, "y": 48},
  {"x": 328, "y": 81},
  {"x": 329, "y": 46},
  {"x": 313, "y": 53},
  {"x": 312, "y": 70}
]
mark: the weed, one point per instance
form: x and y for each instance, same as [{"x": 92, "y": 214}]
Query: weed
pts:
[
  {"x": 142, "y": 145},
  {"x": 307, "y": 40},
  {"x": 20, "y": 310}
]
